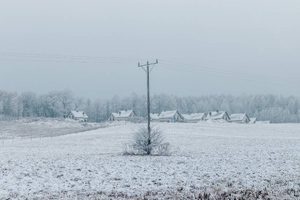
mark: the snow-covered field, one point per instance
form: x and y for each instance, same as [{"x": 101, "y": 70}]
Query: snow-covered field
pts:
[
  {"x": 43, "y": 127},
  {"x": 215, "y": 159}
]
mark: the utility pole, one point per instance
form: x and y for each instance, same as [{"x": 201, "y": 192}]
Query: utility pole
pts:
[{"x": 148, "y": 98}]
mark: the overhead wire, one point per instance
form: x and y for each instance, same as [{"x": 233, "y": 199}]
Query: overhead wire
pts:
[
  {"x": 179, "y": 66},
  {"x": 59, "y": 58},
  {"x": 62, "y": 61},
  {"x": 228, "y": 75},
  {"x": 219, "y": 70}
]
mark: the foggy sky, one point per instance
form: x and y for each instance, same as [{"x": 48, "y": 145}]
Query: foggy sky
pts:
[{"x": 204, "y": 47}]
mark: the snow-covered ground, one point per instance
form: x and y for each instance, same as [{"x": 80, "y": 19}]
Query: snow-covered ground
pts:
[
  {"x": 43, "y": 127},
  {"x": 206, "y": 158}
]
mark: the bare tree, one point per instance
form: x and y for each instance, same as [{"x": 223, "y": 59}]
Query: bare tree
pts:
[
  {"x": 66, "y": 98},
  {"x": 50, "y": 104},
  {"x": 9, "y": 104},
  {"x": 140, "y": 146},
  {"x": 29, "y": 102},
  {"x": 78, "y": 103}
]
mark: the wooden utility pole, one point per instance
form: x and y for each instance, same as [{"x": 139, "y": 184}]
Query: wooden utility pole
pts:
[{"x": 148, "y": 98}]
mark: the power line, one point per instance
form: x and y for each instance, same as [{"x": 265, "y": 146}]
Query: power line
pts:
[
  {"x": 244, "y": 77},
  {"x": 233, "y": 77},
  {"x": 25, "y": 57},
  {"x": 218, "y": 70},
  {"x": 179, "y": 66},
  {"x": 63, "y": 61},
  {"x": 56, "y": 56}
]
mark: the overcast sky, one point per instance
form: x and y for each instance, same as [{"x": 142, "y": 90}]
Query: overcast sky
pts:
[{"x": 204, "y": 47}]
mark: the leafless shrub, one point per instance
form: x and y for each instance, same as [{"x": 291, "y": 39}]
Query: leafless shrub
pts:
[{"x": 140, "y": 146}]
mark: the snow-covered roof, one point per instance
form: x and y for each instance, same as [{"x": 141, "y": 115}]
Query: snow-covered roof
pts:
[
  {"x": 253, "y": 120},
  {"x": 154, "y": 116},
  {"x": 79, "y": 114},
  {"x": 167, "y": 114},
  {"x": 186, "y": 116},
  {"x": 123, "y": 113},
  {"x": 238, "y": 117},
  {"x": 216, "y": 115},
  {"x": 194, "y": 116}
]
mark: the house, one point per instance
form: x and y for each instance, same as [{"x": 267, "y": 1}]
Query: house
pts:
[
  {"x": 123, "y": 115},
  {"x": 154, "y": 117},
  {"x": 253, "y": 120},
  {"x": 78, "y": 115},
  {"x": 170, "y": 116},
  {"x": 240, "y": 118},
  {"x": 217, "y": 115},
  {"x": 194, "y": 117}
]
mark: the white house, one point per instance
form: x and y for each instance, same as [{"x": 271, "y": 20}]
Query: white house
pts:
[
  {"x": 253, "y": 120},
  {"x": 78, "y": 115},
  {"x": 240, "y": 118},
  {"x": 170, "y": 116},
  {"x": 123, "y": 115},
  {"x": 194, "y": 117},
  {"x": 217, "y": 115},
  {"x": 154, "y": 117}
]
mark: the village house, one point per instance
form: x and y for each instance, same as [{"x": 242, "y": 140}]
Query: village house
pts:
[
  {"x": 170, "y": 116},
  {"x": 194, "y": 117},
  {"x": 240, "y": 118},
  {"x": 78, "y": 115},
  {"x": 217, "y": 115},
  {"x": 253, "y": 120},
  {"x": 154, "y": 117},
  {"x": 123, "y": 115}
]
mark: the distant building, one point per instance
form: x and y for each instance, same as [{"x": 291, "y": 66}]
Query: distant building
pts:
[
  {"x": 123, "y": 115},
  {"x": 78, "y": 115},
  {"x": 154, "y": 117},
  {"x": 253, "y": 120},
  {"x": 217, "y": 115},
  {"x": 170, "y": 116},
  {"x": 194, "y": 117},
  {"x": 240, "y": 118}
]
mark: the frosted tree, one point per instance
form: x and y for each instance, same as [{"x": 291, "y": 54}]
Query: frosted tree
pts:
[
  {"x": 29, "y": 103},
  {"x": 66, "y": 98},
  {"x": 50, "y": 105},
  {"x": 115, "y": 103},
  {"x": 10, "y": 104},
  {"x": 78, "y": 103},
  {"x": 99, "y": 110},
  {"x": 88, "y": 109}
]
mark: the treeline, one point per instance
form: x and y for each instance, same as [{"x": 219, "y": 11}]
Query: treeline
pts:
[{"x": 55, "y": 104}]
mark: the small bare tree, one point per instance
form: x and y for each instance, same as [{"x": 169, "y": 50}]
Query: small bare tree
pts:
[{"x": 140, "y": 146}]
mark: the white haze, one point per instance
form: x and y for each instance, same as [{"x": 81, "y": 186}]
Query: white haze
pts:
[{"x": 247, "y": 46}]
